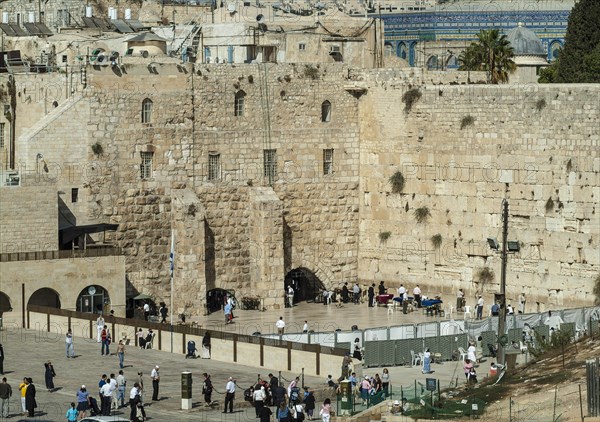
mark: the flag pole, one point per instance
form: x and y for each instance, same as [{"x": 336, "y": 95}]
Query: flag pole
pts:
[{"x": 172, "y": 267}]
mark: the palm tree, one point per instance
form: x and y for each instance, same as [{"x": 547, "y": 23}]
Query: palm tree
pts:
[{"x": 491, "y": 53}]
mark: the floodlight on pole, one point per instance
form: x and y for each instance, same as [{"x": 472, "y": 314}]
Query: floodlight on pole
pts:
[{"x": 493, "y": 243}]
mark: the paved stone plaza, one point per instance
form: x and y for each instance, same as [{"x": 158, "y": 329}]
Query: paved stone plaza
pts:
[{"x": 27, "y": 350}]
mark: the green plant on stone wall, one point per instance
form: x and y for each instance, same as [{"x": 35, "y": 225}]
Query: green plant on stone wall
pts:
[
  {"x": 549, "y": 204},
  {"x": 597, "y": 290},
  {"x": 422, "y": 214},
  {"x": 97, "y": 149},
  {"x": 436, "y": 240},
  {"x": 384, "y": 236},
  {"x": 409, "y": 98},
  {"x": 311, "y": 72},
  {"x": 397, "y": 181},
  {"x": 540, "y": 104},
  {"x": 485, "y": 275},
  {"x": 467, "y": 121}
]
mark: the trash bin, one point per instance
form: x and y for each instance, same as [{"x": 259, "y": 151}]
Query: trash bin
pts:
[
  {"x": 511, "y": 359},
  {"x": 346, "y": 398}
]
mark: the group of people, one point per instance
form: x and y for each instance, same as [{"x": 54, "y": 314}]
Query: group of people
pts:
[
  {"x": 27, "y": 392},
  {"x": 290, "y": 404},
  {"x": 370, "y": 386}
]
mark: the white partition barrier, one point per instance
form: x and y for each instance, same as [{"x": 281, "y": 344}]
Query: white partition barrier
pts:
[
  {"x": 296, "y": 337},
  {"x": 376, "y": 334},
  {"x": 324, "y": 339},
  {"x": 349, "y": 337},
  {"x": 427, "y": 329},
  {"x": 402, "y": 332},
  {"x": 451, "y": 327}
]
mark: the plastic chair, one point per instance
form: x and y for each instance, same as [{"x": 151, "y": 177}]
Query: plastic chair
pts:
[
  {"x": 463, "y": 353},
  {"x": 416, "y": 359},
  {"x": 149, "y": 344},
  {"x": 523, "y": 347},
  {"x": 390, "y": 306},
  {"x": 468, "y": 311}
]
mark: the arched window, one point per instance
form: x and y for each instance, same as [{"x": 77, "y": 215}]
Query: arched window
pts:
[
  {"x": 147, "y": 110},
  {"x": 238, "y": 105},
  {"x": 402, "y": 51},
  {"x": 326, "y": 111},
  {"x": 433, "y": 63},
  {"x": 389, "y": 49}
]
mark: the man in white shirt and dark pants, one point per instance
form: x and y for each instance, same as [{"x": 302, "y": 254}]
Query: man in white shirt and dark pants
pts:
[
  {"x": 229, "y": 395},
  {"x": 155, "y": 380},
  {"x": 280, "y": 324}
]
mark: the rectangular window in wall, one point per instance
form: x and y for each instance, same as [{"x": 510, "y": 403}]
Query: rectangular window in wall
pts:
[
  {"x": 214, "y": 166},
  {"x": 74, "y": 194},
  {"x": 1, "y": 135},
  {"x": 302, "y": 46},
  {"x": 270, "y": 163},
  {"x": 146, "y": 165},
  {"x": 328, "y": 161}
]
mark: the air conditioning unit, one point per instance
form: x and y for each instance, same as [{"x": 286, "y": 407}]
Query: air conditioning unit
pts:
[{"x": 334, "y": 49}]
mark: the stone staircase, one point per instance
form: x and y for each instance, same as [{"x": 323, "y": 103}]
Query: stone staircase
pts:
[{"x": 49, "y": 118}]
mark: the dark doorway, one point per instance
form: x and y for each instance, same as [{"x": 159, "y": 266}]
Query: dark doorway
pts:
[
  {"x": 93, "y": 299},
  {"x": 306, "y": 284},
  {"x": 216, "y": 298},
  {"x": 4, "y": 303},
  {"x": 45, "y": 297}
]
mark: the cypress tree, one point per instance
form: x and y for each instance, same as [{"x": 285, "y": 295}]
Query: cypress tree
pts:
[{"x": 578, "y": 61}]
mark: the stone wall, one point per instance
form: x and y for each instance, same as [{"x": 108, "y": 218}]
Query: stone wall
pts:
[
  {"x": 282, "y": 111},
  {"x": 28, "y": 218},
  {"x": 456, "y": 147}
]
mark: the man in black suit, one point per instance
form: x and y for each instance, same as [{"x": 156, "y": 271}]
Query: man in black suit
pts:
[{"x": 371, "y": 294}]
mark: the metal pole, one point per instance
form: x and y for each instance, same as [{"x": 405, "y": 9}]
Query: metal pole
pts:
[
  {"x": 502, "y": 316},
  {"x": 172, "y": 269}
]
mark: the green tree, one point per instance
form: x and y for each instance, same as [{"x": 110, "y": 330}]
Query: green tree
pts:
[
  {"x": 492, "y": 53},
  {"x": 579, "y": 60}
]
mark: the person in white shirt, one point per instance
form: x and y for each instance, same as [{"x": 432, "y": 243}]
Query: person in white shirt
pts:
[
  {"x": 479, "y": 307},
  {"x": 522, "y": 303},
  {"x": 106, "y": 396},
  {"x": 510, "y": 310},
  {"x": 290, "y": 296},
  {"x": 99, "y": 327},
  {"x": 280, "y": 324},
  {"x": 229, "y": 395},
  {"x": 121, "y": 382},
  {"x": 417, "y": 295},
  {"x": 356, "y": 294},
  {"x": 113, "y": 392},
  {"x": 155, "y": 375},
  {"x": 259, "y": 396},
  {"x": 460, "y": 300},
  {"x": 134, "y": 399},
  {"x": 69, "y": 344},
  {"x": 401, "y": 291},
  {"x": 305, "y": 327},
  {"x": 146, "y": 311}
]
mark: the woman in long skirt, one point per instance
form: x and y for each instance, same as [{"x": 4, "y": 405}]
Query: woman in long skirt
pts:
[{"x": 49, "y": 376}]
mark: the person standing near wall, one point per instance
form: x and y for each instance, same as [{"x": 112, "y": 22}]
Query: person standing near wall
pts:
[
  {"x": 155, "y": 375},
  {"x": 5, "y": 395},
  {"x": 229, "y": 395},
  {"x": 460, "y": 300},
  {"x": 480, "y": 307},
  {"x": 121, "y": 353},
  {"x": 100, "y": 327},
  {"x": 280, "y": 325},
  {"x": 23, "y": 390},
  {"x": 371, "y": 295},
  {"x": 522, "y": 303},
  {"x": 417, "y": 295}
]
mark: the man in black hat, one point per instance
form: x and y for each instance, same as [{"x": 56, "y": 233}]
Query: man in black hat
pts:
[{"x": 371, "y": 294}]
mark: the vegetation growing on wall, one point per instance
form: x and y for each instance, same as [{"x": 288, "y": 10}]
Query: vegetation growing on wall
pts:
[
  {"x": 540, "y": 104},
  {"x": 436, "y": 240},
  {"x": 422, "y": 214},
  {"x": 485, "y": 275},
  {"x": 409, "y": 98},
  {"x": 597, "y": 290},
  {"x": 466, "y": 121},
  {"x": 397, "y": 181},
  {"x": 384, "y": 236},
  {"x": 97, "y": 149}
]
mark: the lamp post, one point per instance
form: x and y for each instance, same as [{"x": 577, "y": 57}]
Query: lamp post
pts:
[{"x": 502, "y": 315}]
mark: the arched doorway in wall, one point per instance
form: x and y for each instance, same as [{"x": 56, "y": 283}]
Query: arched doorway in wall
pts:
[
  {"x": 402, "y": 51},
  {"x": 216, "y": 298},
  {"x": 45, "y": 297},
  {"x": 4, "y": 303},
  {"x": 305, "y": 283},
  {"x": 93, "y": 299}
]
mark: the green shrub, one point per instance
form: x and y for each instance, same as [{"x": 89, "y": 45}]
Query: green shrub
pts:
[
  {"x": 397, "y": 181},
  {"x": 409, "y": 98},
  {"x": 467, "y": 121},
  {"x": 422, "y": 214}
]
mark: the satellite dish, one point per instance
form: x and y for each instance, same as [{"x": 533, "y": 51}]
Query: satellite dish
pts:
[
  {"x": 92, "y": 290},
  {"x": 144, "y": 53},
  {"x": 260, "y": 18}
]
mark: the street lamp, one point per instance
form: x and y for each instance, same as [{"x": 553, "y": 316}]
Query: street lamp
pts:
[{"x": 507, "y": 246}]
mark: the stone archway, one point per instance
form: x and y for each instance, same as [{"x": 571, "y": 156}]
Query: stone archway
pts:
[
  {"x": 4, "y": 303},
  {"x": 45, "y": 297},
  {"x": 307, "y": 286},
  {"x": 93, "y": 299}
]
